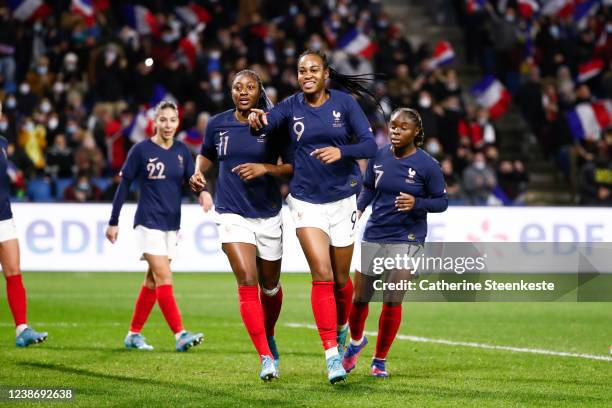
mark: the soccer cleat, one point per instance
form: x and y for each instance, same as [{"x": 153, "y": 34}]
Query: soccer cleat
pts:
[
  {"x": 341, "y": 339},
  {"x": 188, "y": 340},
  {"x": 136, "y": 341},
  {"x": 335, "y": 372},
  {"x": 274, "y": 351},
  {"x": 268, "y": 369},
  {"x": 30, "y": 336},
  {"x": 349, "y": 360},
  {"x": 378, "y": 368}
]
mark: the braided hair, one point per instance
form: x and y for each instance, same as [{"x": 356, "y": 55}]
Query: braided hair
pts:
[
  {"x": 264, "y": 101},
  {"x": 414, "y": 116},
  {"x": 354, "y": 84}
]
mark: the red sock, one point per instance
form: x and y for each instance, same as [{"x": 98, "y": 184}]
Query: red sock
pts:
[
  {"x": 167, "y": 304},
  {"x": 388, "y": 325},
  {"x": 324, "y": 310},
  {"x": 271, "y": 309},
  {"x": 344, "y": 299},
  {"x": 15, "y": 292},
  {"x": 253, "y": 318},
  {"x": 144, "y": 304},
  {"x": 357, "y": 319}
]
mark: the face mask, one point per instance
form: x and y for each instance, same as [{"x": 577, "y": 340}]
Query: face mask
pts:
[
  {"x": 3, "y": 126},
  {"x": 290, "y": 52},
  {"x": 45, "y": 107},
  {"x": 215, "y": 82},
  {"x": 70, "y": 67},
  {"x": 480, "y": 165},
  {"x": 383, "y": 23},
  {"x": 215, "y": 55},
  {"x": 167, "y": 38},
  {"x": 29, "y": 127},
  {"x": 58, "y": 87},
  {"x": 510, "y": 18},
  {"x": 110, "y": 56},
  {"x": 11, "y": 103},
  {"x": 554, "y": 31},
  {"x": 42, "y": 70},
  {"x": 24, "y": 88},
  {"x": 53, "y": 122},
  {"x": 71, "y": 129},
  {"x": 315, "y": 45},
  {"x": 293, "y": 10},
  {"x": 83, "y": 185},
  {"x": 433, "y": 148},
  {"x": 425, "y": 102}
]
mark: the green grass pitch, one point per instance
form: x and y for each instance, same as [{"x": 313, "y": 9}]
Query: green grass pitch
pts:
[{"x": 87, "y": 316}]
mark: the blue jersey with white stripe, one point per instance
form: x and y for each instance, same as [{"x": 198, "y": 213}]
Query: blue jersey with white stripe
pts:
[
  {"x": 386, "y": 176},
  {"x": 161, "y": 174},
  {"x": 232, "y": 143},
  {"x": 5, "y": 185},
  {"x": 339, "y": 122}
]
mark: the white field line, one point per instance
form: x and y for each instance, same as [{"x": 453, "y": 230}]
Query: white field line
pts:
[{"x": 476, "y": 345}]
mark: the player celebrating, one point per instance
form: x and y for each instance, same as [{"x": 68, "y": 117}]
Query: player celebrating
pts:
[
  {"x": 323, "y": 123},
  {"x": 248, "y": 201},
  {"x": 403, "y": 183},
  {"x": 160, "y": 165},
  {"x": 9, "y": 258}
]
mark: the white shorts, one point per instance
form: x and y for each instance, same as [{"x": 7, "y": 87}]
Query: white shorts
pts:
[
  {"x": 337, "y": 219},
  {"x": 265, "y": 233},
  {"x": 156, "y": 242},
  {"x": 8, "y": 230}
]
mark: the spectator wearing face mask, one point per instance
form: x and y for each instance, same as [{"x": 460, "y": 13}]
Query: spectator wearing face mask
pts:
[
  {"x": 83, "y": 190},
  {"x": 478, "y": 181},
  {"x": 40, "y": 78},
  {"x": 59, "y": 158}
]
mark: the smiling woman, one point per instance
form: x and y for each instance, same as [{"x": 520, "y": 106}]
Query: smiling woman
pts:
[{"x": 248, "y": 203}]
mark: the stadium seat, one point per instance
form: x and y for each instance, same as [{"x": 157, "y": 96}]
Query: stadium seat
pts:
[
  {"x": 101, "y": 182},
  {"x": 60, "y": 186},
  {"x": 39, "y": 190}
]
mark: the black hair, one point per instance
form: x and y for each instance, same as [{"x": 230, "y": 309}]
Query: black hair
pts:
[
  {"x": 355, "y": 84},
  {"x": 414, "y": 116},
  {"x": 264, "y": 101}
]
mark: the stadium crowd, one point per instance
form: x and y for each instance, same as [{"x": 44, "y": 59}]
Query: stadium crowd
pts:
[{"x": 77, "y": 89}]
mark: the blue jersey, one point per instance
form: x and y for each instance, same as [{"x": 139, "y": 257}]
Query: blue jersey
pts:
[
  {"x": 160, "y": 174},
  {"x": 5, "y": 185},
  {"x": 233, "y": 143},
  {"x": 386, "y": 176},
  {"x": 339, "y": 122}
]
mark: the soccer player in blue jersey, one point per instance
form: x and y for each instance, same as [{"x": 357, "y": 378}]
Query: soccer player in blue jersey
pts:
[
  {"x": 403, "y": 183},
  {"x": 330, "y": 132},
  {"x": 161, "y": 165},
  {"x": 9, "y": 259},
  {"x": 248, "y": 203}
]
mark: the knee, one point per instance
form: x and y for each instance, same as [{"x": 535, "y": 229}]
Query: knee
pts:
[
  {"x": 322, "y": 272},
  {"x": 269, "y": 282},
  {"x": 341, "y": 280}
]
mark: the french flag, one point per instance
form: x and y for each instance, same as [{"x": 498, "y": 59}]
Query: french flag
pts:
[
  {"x": 561, "y": 8},
  {"x": 141, "y": 127},
  {"x": 192, "y": 138},
  {"x": 588, "y": 119},
  {"x": 491, "y": 94},
  {"x": 528, "y": 8},
  {"x": 590, "y": 69},
  {"x": 356, "y": 42},
  {"x": 189, "y": 47},
  {"x": 29, "y": 10},
  {"x": 473, "y": 6},
  {"x": 583, "y": 10},
  {"x": 86, "y": 9},
  {"x": 140, "y": 19},
  {"x": 193, "y": 14},
  {"x": 443, "y": 54},
  {"x": 160, "y": 93}
]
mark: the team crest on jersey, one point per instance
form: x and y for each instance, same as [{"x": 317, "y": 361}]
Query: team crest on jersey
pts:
[
  {"x": 354, "y": 183},
  {"x": 411, "y": 237},
  {"x": 337, "y": 119},
  {"x": 411, "y": 175},
  {"x": 261, "y": 138}
]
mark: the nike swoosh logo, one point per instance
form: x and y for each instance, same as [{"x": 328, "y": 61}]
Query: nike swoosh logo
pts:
[
  {"x": 377, "y": 166},
  {"x": 294, "y": 118},
  {"x": 222, "y": 133},
  {"x": 153, "y": 159}
]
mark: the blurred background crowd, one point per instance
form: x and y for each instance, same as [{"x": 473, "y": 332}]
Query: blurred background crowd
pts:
[{"x": 78, "y": 80}]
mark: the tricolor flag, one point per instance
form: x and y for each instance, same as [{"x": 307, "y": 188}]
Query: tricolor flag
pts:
[
  {"x": 142, "y": 126},
  {"x": 590, "y": 69},
  {"x": 528, "y": 8},
  {"x": 443, "y": 54},
  {"x": 140, "y": 19},
  {"x": 583, "y": 10},
  {"x": 160, "y": 93},
  {"x": 588, "y": 119},
  {"x": 491, "y": 94},
  {"x": 189, "y": 46},
  {"x": 28, "y": 10},
  {"x": 561, "y": 8},
  {"x": 193, "y": 138},
  {"x": 86, "y": 9},
  {"x": 193, "y": 14},
  {"x": 472, "y": 6},
  {"x": 357, "y": 43}
]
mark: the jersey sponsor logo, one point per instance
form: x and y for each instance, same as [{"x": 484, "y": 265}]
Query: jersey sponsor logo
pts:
[
  {"x": 300, "y": 118},
  {"x": 411, "y": 237},
  {"x": 337, "y": 119},
  {"x": 377, "y": 166},
  {"x": 222, "y": 133},
  {"x": 411, "y": 175},
  {"x": 153, "y": 159}
]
